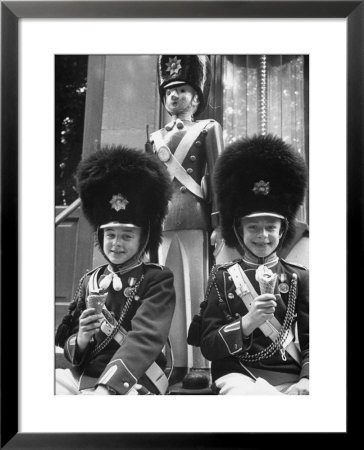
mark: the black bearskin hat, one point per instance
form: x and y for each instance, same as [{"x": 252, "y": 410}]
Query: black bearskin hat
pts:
[
  {"x": 125, "y": 185},
  {"x": 194, "y": 70},
  {"x": 255, "y": 175}
]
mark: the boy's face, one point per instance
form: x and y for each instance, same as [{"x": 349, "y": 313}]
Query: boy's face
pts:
[
  {"x": 181, "y": 99},
  {"x": 260, "y": 234},
  {"x": 121, "y": 243}
]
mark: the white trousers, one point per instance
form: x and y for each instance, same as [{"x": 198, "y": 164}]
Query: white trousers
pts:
[
  {"x": 239, "y": 384},
  {"x": 185, "y": 253},
  {"x": 67, "y": 384}
]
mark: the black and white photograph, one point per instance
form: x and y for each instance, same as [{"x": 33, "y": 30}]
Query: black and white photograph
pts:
[
  {"x": 181, "y": 205},
  {"x": 190, "y": 174}
]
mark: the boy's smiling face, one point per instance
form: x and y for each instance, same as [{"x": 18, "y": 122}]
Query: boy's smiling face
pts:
[
  {"x": 261, "y": 234},
  {"x": 121, "y": 243}
]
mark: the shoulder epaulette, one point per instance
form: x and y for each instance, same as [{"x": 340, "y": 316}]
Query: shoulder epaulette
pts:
[
  {"x": 289, "y": 263},
  {"x": 210, "y": 122},
  {"x": 155, "y": 265},
  {"x": 228, "y": 264},
  {"x": 207, "y": 121}
]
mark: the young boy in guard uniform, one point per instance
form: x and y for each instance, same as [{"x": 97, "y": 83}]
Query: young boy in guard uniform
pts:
[
  {"x": 252, "y": 304},
  {"x": 118, "y": 349}
]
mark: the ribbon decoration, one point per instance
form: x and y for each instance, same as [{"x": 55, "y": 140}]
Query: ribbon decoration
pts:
[{"x": 114, "y": 278}]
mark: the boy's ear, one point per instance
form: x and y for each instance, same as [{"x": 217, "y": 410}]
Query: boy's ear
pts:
[
  {"x": 195, "y": 100},
  {"x": 284, "y": 227}
]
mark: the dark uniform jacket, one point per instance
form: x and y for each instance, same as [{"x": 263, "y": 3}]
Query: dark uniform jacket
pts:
[
  {"x": 147, "y": 323},
  {"x": 186, "y": 210},
  {"x": 222, "y": 337}
]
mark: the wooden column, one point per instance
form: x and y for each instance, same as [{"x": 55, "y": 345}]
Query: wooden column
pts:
[{"x": 91, "y": 142}]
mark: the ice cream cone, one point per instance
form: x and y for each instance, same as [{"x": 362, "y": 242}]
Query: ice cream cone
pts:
[
  {"x": 266, "y": 279},
  {"x": 96, "y": 301}
]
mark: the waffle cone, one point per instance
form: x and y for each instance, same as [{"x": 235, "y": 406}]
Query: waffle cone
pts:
[
  {"x": 267, "y": 287},
  {"x": 266, "y": 279},
  {"x": 96, "y": 301}
]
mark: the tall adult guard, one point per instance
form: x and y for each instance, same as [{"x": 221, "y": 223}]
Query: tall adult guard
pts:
[{"x": 189, "y": 149}]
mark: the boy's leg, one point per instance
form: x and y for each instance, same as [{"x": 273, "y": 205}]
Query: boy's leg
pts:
[
  {"x": 284, "y": 387},
  {"x": 65, "y": 383},
  {"x": 239, "y": 384},
  {"x": 185, "y": 252}
]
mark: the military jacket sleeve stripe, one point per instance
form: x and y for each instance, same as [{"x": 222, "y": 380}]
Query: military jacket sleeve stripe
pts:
[
  {"x": 71, "y": 351},
  {"x": 117, "y": 376},
  {"x": 227, "y": 339},
  {"x": 231, "y": 335}
]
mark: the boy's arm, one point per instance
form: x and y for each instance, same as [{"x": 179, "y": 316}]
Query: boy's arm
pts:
[
  {"x": 303, "y": 321},
  {"x": 214, "y": 147},
  {"x": 71, "y": 351},
  {"x": 221, "y": 337},
  {"x": 149, "y": 333}
]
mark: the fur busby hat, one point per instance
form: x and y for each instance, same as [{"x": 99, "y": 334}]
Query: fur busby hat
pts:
[
  {"x": 195, "y": 70},
  {"x": 123, "y": 185},
  {"x": 262, "y": 174}
]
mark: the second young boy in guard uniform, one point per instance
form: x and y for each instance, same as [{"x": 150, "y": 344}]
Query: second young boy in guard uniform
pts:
[{"x": 253, "y": 303}]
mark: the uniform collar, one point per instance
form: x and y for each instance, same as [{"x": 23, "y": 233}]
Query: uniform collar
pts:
[
  {"x": 121, "y": 268},
  {"x": 253, "y": 261},
  {"x": 178, "y": 123}
]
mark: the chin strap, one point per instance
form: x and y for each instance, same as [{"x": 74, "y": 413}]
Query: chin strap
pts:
[{"x": 115, "y": 269}]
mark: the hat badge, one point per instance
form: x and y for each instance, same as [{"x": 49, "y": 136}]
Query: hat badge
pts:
[
  {"x": 118, "y": 202},
  {"x": 173, "y": 65},
  {"x": 261, "y": 188}
]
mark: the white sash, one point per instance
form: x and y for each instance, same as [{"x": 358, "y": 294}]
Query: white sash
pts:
[
  {"x": 271, "y": 327},
  {"x": 175, "y": 161}
]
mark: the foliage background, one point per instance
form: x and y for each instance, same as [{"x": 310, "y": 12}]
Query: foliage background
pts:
[{"x": 70, "y": 95}]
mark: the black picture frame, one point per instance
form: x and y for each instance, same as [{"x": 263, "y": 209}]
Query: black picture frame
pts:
[{"x": 11, "y": 13}]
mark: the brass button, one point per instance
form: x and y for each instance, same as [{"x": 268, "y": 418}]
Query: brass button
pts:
[
  {"x": 230, "y": 295},
  {"x": 204, "y": 132},
  {"x": 183, "y": 189},
  {"x": 193, "y": 158},
  {"x": 189, "y": 170},
  {"x": 198, "y": 143},
  {"x": 126, "y": 385}
]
